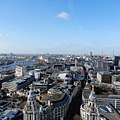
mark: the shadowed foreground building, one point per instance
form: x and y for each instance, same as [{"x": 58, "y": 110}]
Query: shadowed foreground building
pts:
[
  {"x": 33, "y": 111},
  {"x": 53, "y": 109},
  {"x": 94, "y": 110}
]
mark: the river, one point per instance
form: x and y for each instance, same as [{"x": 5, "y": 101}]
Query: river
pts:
[{"x": 13, "y": 65}]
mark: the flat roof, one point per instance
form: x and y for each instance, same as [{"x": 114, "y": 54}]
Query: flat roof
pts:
[
  {"x": 87, "y": 91},
  {"x": 3, "y": 103},
  {"x": 104, "y": 73},
  {"x": 114, "y": 115},
  {"x": 18, "y": 80},
  {"x": 57, "y": 96},
  {"x": 3, "y": 118},
  {"x": 10, "y": 113}
]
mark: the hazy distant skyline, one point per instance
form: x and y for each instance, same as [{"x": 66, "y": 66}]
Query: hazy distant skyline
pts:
[{"x": 60, "y": 26}]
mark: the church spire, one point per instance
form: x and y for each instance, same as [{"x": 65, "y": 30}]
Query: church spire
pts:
[
  {"x": 31, "y": 87},
  {"x": 92, "y": 87},
  {"x": 92, "y": 96}
]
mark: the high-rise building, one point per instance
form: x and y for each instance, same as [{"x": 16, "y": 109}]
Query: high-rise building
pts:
[
  {"x": 91, "y": 54},
  {"x": 116, "y": 60}
]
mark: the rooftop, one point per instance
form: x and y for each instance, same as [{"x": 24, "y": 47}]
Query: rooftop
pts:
[
  {"x": 104, "y": 73},
  {"x": 10, "y": 113},
  {"x": 18, "y": 80},
  {"x": 2, "y": 103},
  {"x": 57, "y": 96},
  {"x": 87, "y": 90}
]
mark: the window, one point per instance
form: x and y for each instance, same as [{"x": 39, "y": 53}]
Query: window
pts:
[
  {"x": 93, "y": 117},
  {"x": 87, "y": 117},
  {"x": 90, "y": 104}
]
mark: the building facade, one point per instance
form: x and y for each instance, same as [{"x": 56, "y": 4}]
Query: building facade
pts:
[
  {"x": 55, "y": 108},
  {"x": 31, "y": 109},
  {"x": 20, "y": 71},
  {"x": 104, "y": 76},
  {"x": 18, "y": 83}
]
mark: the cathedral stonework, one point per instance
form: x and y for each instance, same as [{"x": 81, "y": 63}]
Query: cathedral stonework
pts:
[{"x": 89, "y": 110}]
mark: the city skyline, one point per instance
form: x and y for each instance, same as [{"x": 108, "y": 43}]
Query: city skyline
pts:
[{"x": 59, "y": 26}]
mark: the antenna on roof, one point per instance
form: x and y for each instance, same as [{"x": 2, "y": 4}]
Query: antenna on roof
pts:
[
  {"x": 102, "y": 62},
  {"x": 113, "y": 53}
]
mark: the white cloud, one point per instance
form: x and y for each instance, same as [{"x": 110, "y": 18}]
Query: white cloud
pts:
[
  {"x": 63, "y": 15},
  {"x": 13, "y": 27},
  {"x": 4, "y": 45},
  {"x": 7, "y": 35},
  {"x": 67, "y": 45},
  {"x": 4, "y": 35}
]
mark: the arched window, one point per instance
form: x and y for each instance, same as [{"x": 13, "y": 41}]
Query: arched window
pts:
[
  {"x": 93, "y": 117},
  {"x": 90, "y": 104}
]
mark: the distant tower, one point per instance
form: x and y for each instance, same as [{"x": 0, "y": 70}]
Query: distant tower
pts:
[
  {"x": 102, "y": 63},
  {"x": 91, "y": 54},
  {"x": 108, "y": 67},
  {"x": 75, "y": 63},
  {"x": 119, "y": 63},
  {"x": 31, "y": 109},
  {"x": 113, "y": 53}
]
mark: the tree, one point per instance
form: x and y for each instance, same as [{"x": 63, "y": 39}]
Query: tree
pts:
[{"x": 76, "y": 117}]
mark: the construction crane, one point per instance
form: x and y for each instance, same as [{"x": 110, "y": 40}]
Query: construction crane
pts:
[
  {"x": 102, "y": 62},
  {"x": 4, "y": 68}
]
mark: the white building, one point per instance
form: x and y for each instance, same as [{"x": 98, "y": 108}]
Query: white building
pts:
[
  {"x": 117, "y": 86},
  {"x": 65, "y": 77},
  {"x": 20, "y": 71},
  {"x": 89, "y": 111},
  {"x": 99, "y": 109},
  {"x": 31, "y": 110}
]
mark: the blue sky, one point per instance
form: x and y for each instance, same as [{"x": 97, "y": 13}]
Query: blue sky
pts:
[{"x": 60, "y": 26}]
